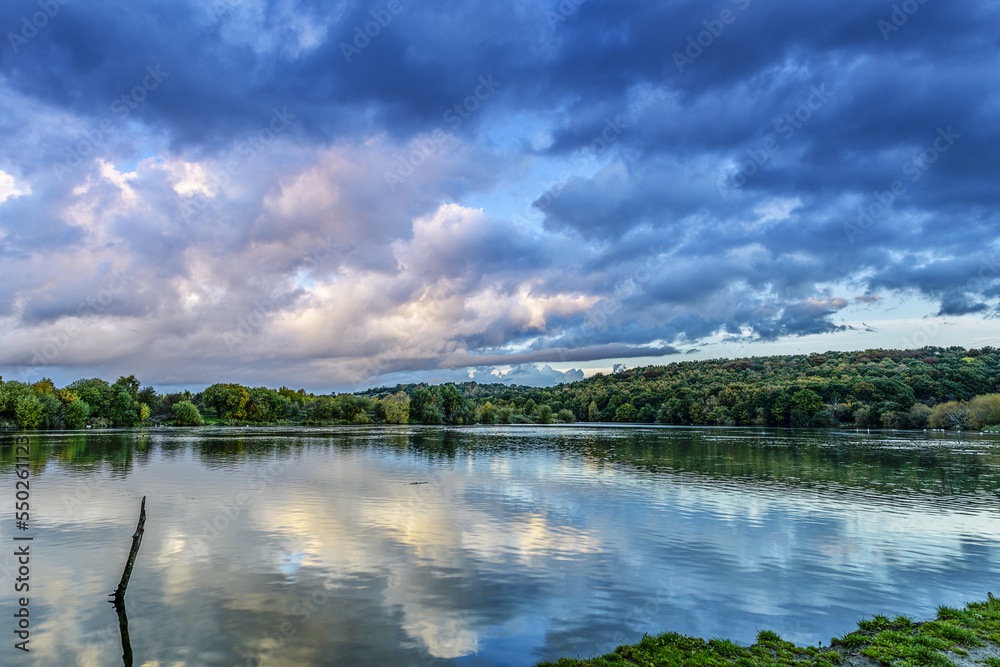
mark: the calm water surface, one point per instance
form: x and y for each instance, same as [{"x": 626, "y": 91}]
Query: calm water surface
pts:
[{"x": 419, "y": 546}]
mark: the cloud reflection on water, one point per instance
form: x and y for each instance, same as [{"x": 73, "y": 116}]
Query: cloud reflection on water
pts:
[{"x": 523, "y": 544}]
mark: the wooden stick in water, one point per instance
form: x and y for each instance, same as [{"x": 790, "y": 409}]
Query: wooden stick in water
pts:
[
  {"x": 123, "y": 629},
  {"x": 133, "y": 552}
]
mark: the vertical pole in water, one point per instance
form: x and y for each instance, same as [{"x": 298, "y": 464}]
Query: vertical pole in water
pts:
[
  {"x": 133, "y": 552},
  {"x": 123, "y": 629}
]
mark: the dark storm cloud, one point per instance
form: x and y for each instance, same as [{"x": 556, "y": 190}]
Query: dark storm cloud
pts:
[
  {"x": 229, "y": 63},
  {"x": 588, "y": 353},
  {"x": 694, "y": 169}
]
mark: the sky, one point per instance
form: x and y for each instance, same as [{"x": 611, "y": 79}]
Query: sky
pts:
[{"x": 340, "y": 195}]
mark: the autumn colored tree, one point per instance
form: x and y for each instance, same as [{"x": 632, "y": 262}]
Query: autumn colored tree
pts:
[
  {"x": 397, "y": 408},
  {"x": 984, "y": 410},
  {"x": 953, "y": 414},
  {"x": 808, "y": 401},
  {"x": 228, "y": 400}
]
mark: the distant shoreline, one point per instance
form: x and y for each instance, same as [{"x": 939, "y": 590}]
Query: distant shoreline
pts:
[{"x": 989, "y": 430}]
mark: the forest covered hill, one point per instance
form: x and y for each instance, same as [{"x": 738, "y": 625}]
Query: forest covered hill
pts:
[
  {"x": 930, "y": 387},
  {"x": 874, "y": 388}
]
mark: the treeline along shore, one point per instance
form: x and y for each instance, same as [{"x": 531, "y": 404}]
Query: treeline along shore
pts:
[{"x": 932, "y": 387}]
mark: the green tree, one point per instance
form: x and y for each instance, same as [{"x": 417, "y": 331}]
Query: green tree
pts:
[
  {"x": 565, "y": 415},
  {"x": 44, "y": 386},
  {"x": 720, "y": 416},
  {"x": 28, "y": 411},
  {"x": 424, "y": 406},
  {"x": 75, "y": 414},
  {"x": 781, "y": 409},
  {"x": 52, "y": 413},
  {"x": 592, "y": 412},
  {"x": 349, "y": 407},
  {"x": 187, "y": 414},
  {"x": 545, "y": 414},
  {"x": 454, "y": 406},
  {"x": 96, "y": 392},
  {"x": 951, "y": 414},
  {"x": 809, "y": 402},
  {"x": 264, "y": 405},
  {"x": 626, "y": 413},
  {"x": 119, "y": 408},
  {"x": 824, "y": 419},
  {"x": 865, "y": 391},
  {"x": 148, "y": 396},
  {"x": 984, "y": 410},
  {"x": 321, "y": 410},
  {"x": 864, "y": 417},
  {"x": 488, "y": 414},
  {"x": 364, "y": 409},
  {"x": 228, "y": 400},
  {"x": 397, "y": 408},
  {"x": 920, "y": 416},
  {"x": 131, "y": 386}
]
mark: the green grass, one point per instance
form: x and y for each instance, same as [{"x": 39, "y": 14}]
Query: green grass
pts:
[{"x": 898, "y": 641}]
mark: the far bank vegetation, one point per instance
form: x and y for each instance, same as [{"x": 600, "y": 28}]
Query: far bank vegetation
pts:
[{"x": 933, "y": 387}]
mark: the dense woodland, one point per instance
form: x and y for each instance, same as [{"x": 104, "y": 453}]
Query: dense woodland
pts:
[{"x": 931, "y": 387}]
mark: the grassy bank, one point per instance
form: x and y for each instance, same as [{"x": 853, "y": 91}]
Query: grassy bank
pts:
[{"x": 958, "y": 637}]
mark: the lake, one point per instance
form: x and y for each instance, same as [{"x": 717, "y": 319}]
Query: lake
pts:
[{"x": 420, "y": 546}]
